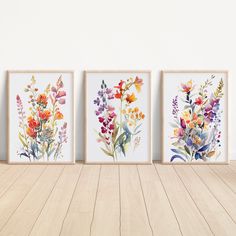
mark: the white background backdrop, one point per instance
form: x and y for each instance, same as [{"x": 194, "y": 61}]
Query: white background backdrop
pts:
[{"x": 121, "y": 34}]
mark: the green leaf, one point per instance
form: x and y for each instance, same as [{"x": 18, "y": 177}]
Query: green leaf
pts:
[
  {"x": 114, "y": 135},
  {"x": 107, "y": 153},
  {"x": 51, "y": 151},
  {"x": 187, "y": 149},
  {"x": 22, "y": 141},
  {"x": 119, "y": 138}
]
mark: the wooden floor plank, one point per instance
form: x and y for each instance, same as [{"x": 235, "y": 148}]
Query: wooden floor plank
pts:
[
  {"x": 10, "y": 176},
  {"x": 161, "y": 215},
  {"x": 233, "y": 166},
  {"x": 134, "y": 218},
  {"x": 226, "y": 174},
  {"x": 216, "y": 216},
  {"x": 107, "y": 207},
  {"x": 218, "y": 188},
  {"x": 51, "y": 218},
  {"x": 3, "y": 167},
  {"x": 26, "y": 214},
  {"x": 188, "y": 215},
  {"x": 17, "y": 192},
  {"x": 80, "y": 213}
]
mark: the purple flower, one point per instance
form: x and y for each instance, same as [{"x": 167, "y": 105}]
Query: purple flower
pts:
[
  {"x": 110, "y": 96},
  {"x": 100, "y": 93},
  {"x": 108, "y": 91},
  {"x": 97, "y": 113},
  {"x": 97, "y": 101},
  {"x": 62, "y": 134},
  {"x": 175, "y": 107},
  {"x": 102, "y": 108}
]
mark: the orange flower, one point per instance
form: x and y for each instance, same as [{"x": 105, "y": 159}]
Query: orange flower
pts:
[
  {"x": 131, "y": 98},
  {"x": 33, "y": 123},
  {"x": 45, "y": 114},
  {"x": 138, "y": 83},
  {"x": 31, "y": 132},
  {"x": 58, "y": 116},
  {"x": 187, "y": 87},
  {"x": 42, "y": 99}
]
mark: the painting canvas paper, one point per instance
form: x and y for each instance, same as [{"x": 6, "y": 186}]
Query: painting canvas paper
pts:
[
  {"x": 195, "y": 114},
  {"x": 118, "y": 117},
  {"x": 41, "y": 117}
]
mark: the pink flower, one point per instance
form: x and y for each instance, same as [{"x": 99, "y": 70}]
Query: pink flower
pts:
[
  {"x": 110, "y": 108},
  {"x": 61, "y": 94},
  {"x": 62, "y": 101},
  {"x": 112, "y": 115}
]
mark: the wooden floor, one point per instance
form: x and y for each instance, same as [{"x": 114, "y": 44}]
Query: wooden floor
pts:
[{"x": 112, "y": 200}]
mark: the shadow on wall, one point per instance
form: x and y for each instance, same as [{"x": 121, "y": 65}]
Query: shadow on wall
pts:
[
  {"x": 79, "y": 118},
  {"x": 3, "y": 122},
  {"x": 156, "y": 116}
]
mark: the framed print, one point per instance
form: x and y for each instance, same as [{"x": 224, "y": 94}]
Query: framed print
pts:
[
  {"x": 118, "y": 117},
  {"x": 41, "y": 117},
  {"x": 195, "y": 117}
]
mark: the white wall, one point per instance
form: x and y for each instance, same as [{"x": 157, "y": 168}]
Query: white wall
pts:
[{"x": 122, "y": 34}]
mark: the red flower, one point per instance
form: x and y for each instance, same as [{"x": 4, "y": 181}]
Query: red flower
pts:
[
  {"x": 31, "y": 132},
  {"x": 198, "y": 101},
  {"x": 111, "y": 127},
  {"x": 104, "y": 130},
  {"x": 33, "y": 123},
  {"x": 101, "y": 119},
  {"x": 118, "y": 95},
  {"x": 119, "y": 86},
  {"x": 44, "y": 115}
]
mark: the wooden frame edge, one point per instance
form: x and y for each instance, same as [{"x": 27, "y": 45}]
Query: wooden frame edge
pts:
[
  {"x": 150, "y": 157},
  {"x": 226, "y": 72},
  {"x": 8, "y": 121}
]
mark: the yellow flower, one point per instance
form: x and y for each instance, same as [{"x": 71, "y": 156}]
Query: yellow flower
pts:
[
  {"x": 197, "y": 140},
  {"x": 205, "y": 126},
  {"x": 186, "y": 115},
  {"x": 138, "y": 83},
  {"x": 187, "y": 87}
]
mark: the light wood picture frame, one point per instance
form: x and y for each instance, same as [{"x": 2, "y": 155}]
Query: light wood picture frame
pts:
[
  {"x": 195, "y": 117},
  {"x": 40, "y": 117},
  {"x": 118, "y": 117}
]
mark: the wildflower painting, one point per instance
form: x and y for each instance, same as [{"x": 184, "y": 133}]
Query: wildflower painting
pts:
[
  {"x": 41, "y": 117},
  {"x": 195, "y": 114},
  {"x": 118, "y": 117}
]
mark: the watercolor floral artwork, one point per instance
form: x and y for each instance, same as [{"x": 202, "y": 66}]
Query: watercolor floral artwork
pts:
[
  {"x": 119, "y": 117},
  {"x": 195, "y": 117},
  {"x": 43, "y": 130}
]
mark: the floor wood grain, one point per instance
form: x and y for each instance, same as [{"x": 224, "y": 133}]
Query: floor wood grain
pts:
[{"x": 108, "y": 200}]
